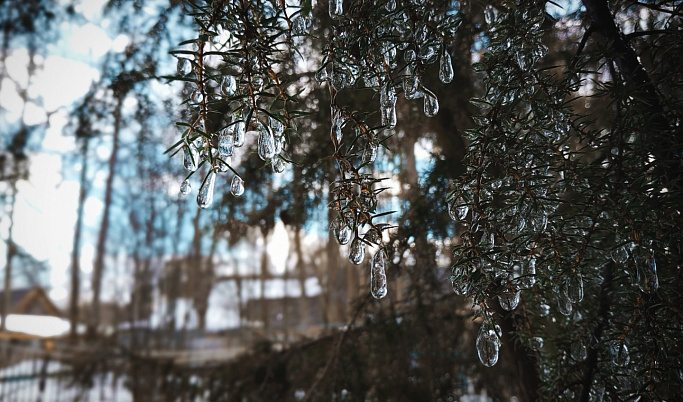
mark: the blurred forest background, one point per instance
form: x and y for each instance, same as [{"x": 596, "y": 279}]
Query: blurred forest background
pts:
[{"x": 251, "y": 299}]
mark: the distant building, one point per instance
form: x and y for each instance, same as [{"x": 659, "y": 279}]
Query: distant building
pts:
[{"x": 32, "y": 315}]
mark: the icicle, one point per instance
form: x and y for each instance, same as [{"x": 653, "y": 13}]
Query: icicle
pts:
[
  {"x": 619, "y": 352},
  {"x": 431, "y": 104},
  {"x": 446, "y": 68},
  {"x": 564, "y": 305},
  {"x": 185, "y": 187},
  {"x": 528, "y": 278},
  {"x": 205, "y": 195},
  {"x": 387, "y": 101},
  {"x": 341, "y": 231},
  {"x": 266, "y": 143},
  {"x": 226, "y": 144},
  {"x": 509, "y": 300},
  {"x": 575, "y": 288},
  {"x": 336, "y": 8},
  {"x": 378, "y": 276},
  {"x": 646, "y": 265},
  {"x": 300, "y": 25},
  {"x": 488, "y": 345},
  {"x": 338, "y": 122},
  {"x": 237, "y": 186},
  {"x": 190, "y": 157},
  {"x": 184, "y": 66},
  {"x": 411, "y": 87},
  {"x": 356, "y": 251},
  {"x": 238, "y": 132},
  {"x": 229, "y": 85}
]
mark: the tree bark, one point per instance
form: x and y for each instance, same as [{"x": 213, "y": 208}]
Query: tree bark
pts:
[
  {"x": 11, "y": 251},
  {"x": 76, "y": 249}
]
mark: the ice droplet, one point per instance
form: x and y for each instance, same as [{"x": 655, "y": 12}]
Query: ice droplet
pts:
[
  {"x": 226, "y": 144},
  {"x": 459, "y": 286},
  {"x": 229, "y": 85},
  {"x": 378, "y": 276},
  {"x": 266, "y": 143},
  {"x": 578, "y": 351},
  {"x": 190, "y": 157},
  {"x": 184, "y": 66},
  {"x": 388, "y": 115},
  {"x": 205, "y": 195},
  {"x": 619, "y": 254},
  {"x": 387, "y": 101},
  {"x": 575, "y": 288},
  {"x": 488, "y": 345},
  {"x": 391, "y": 5},
  {"x": 336, "y": 8},
  {"x": 431, "y": 104},
  {"x": 370, "y": 153},
  {"x": 619, "y": 352},
  {"x": 237, "y": 186},
  {"x": 489, "y": 14},
  {"x": 371, "y": 236},
  {"x": 646, "y": 265},
  {"x": 411, "y": 87},
  {"x": 528, "y": 277},
  {"x": 564, "y": 305},
  {"x": 457, "y": 210},
  {"x": 185, "y": 187},
  {"x": 356, "y": 251},
  {"x": 508, "y": 300},
  {"x": 278, "y": 165},
  {"x": 446, "y": 68},
  {"x": 300, "y": 25},
  {"x": 341, "y": 231},
  {"x": 238, "y": 133}
]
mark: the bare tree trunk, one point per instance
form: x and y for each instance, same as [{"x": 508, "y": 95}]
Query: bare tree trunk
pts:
[
  {"x": 76, "y": 250},
  {"x": 301, "y": 272},
  {"x": 11, "y": 251},
  {"x": 94, "y": 318}
]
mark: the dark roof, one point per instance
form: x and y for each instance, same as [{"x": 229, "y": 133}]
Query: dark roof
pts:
[{"x": 32, "y": 300}]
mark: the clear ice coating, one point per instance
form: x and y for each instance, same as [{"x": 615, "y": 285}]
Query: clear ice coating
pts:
[
  {"x": 336, "y": 8},
  {"x": 509, "y": 300},
  {"x": 238, "y": 132},
  {"x": 564, "y": 305},
  {"x": 528, "y": 278},
  {"x": 378, "y": 275},
  {"x": 578, "y": 351},
  {"x": 575, "y": 288},
  {"x": 338, "y": 122},
  {"x": 372, "y": 237},
  {"x": 300, "y": 25},
  {"x": 357, "y": 251},
  {"x": 619, "y": 352},
  {"x": 459, "y": 285},
  {"x": 457, "y": 209},
  {"x": 387, "y": 101},
  {"x": 226, "y": 144},
  {"x": 431, "y": 104},
  {"x": 229, "y": 85},
  {"x": 490, "y": 14},
  {"x": 184, "y": 66},
  {"x": 647, "y": 279},
  {"x": 237, "y": 186},
  {"x": 488, "y": 345},
  {"x": 391, "y": 5},
  {"x": 411, "y": 87},
  {"x": 370, "y": 153},
  {"x": 185, "y": 187},
  {"x": 190, "y": 157},
  {"x": 445, "y": 68},
  {"x": 266, "y": 143},
  {"x": 278, "y": 165},
  {"x": 205, "y": 195},
  {"x": 341, "y": 231}
]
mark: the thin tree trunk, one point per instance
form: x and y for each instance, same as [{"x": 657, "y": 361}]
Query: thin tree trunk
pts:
[
  {"x": 94, "y": 319},
  {"x": 11, "y": 251},
  {"x": 76, "y": 250}
]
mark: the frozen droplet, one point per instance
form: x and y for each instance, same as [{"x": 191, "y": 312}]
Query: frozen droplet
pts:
[
  {"x": 341, "y": 230},
  {"x": 266, "y": 143},
  {"x": 196, "y": 96},
  {"x": 646, "y": 267},
  {"x": 370, "y": 153},
  {"x": 190, "y": 157},
  {"x": 431, "y": 104},
  {"x": 372, "y": 237},
  {"x": 457, "y": 210},
  {"x": 300, "y": 25},
  {"x": 391, "y": 5},
  {"x": 564, "y": 305},
  {"x": 336, "y": 8},
  {"x": 185, "y": 187},
  {"x": 488, "y": 345},
  {"x": 277, "y": 127},
  {"x": 459, "y": 285},
  {"x": 409, "y": 56},
  {"x": 387, "y": 96},
  {"x": 445, "y": 68},
  {"x": 356, "y": 251},
  {"x": 411, "y": 87},
  {"x": 428, "y": 52},
  {"x": 509, "y": 300},
  {"x": 338, "y": 122},
  {"x": 238, "y": 133},
  {"x": 378, "y": 276},
  {"x": 620, "y": 254},
  {"x": 221, "y": 165},
  {"x": 388, "y": 116},
  {"x": 528, "y": 274},
  {"x": 490, "y": 14},
  {"x": 578, "y": 351},
  {"x": 237, "y": 186},
  {"x": 205, "y": 195},
  {"x": 226, "y": 144},
  {"x": 619, "y": 352},
  {"x": 229, "y": 85},
  {"x": 575, "y": 288},
  {"x": 184, "y": 66},
  {"x": 278, "y": 165}
]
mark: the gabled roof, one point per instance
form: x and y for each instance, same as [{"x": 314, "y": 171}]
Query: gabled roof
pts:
[{"x": 31, "y": 301}]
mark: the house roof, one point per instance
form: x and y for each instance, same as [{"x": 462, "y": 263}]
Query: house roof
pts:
[{"x": 32, "y": 301}]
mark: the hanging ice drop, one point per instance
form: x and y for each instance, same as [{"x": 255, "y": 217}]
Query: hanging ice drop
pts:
[
  {"x": 431, "y": 104},
  {"x": 575, "y": 288},
  {"x": 341, "y": 231},
  {"x": 229, "y": 85},
  {"x": 619, "y": 352},
  {"x": 336, "y": 8},
  {"x": 488, "y": 345},
  {"x": 278, "y": 165},
  {"x": 226, "y": 144},
  {"x": 646, "y": 265},
  {"x": 356, "y": 251},
  {"x": 490, "y": 14},
  {"x": 238, "y": 131},
  {"x": 190, "y": 157},
  {"x": 185, "y": 187},
  {"x": 378, "y": 276},
  {"x": 184, "y": 66},
  {"x": 237, "y": 186},
  {"x": 266, "y": 143},
  {"x": 446, "y": 68},
  {"x": 370, "y": 153},
  {"x": 564, "y": 305},
  {"x": 509, "y": 300},
  {"x": 205, "y": 195}
]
